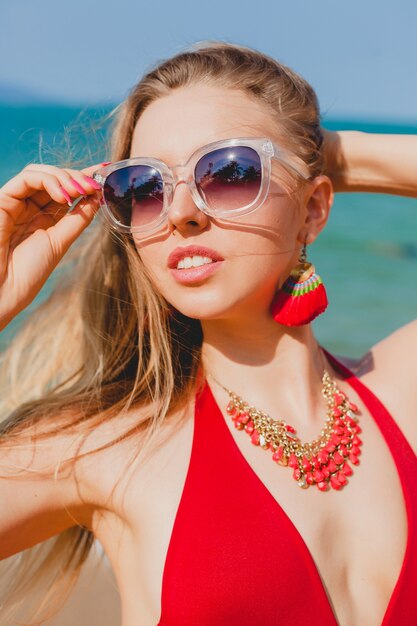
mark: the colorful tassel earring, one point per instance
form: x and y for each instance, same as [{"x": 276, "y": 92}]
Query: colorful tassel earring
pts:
[{"x": 302, "y": 297}]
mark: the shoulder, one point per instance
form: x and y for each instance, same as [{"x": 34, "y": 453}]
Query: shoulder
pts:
[
  {"x": 119, "y": 458},
  {"x": 391, "y": 364},
  {"x": 71, "y": 478},
  {"x": 78, "y": 463},
  {"x": 389, "y": 370}
]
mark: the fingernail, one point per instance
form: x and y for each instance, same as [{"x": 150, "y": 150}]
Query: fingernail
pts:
[
  {"x": 92, "y": 182},
  {"x": 106, "y": 163},
  {"x": 78, "y": 186},
  {"x": 66, "y": 196}
]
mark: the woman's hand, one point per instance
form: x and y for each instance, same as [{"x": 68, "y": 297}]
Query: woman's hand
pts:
[{"x": 36, "y": 229}]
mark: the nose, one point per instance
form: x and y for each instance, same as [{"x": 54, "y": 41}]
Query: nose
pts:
[{"x": 183, "y": 214}]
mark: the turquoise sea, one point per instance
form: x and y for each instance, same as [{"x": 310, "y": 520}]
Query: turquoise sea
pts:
[{"x": 367, "y": 255}]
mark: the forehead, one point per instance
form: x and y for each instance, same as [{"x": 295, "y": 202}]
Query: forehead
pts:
[{"x": 174, "y": 126}]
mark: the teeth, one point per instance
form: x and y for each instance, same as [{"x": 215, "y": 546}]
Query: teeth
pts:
[{"x": 193, "y": 261}]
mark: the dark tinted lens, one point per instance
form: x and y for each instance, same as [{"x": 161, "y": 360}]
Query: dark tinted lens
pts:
[
  {"x": 134, "y": 194},
  {"x": 229, "y": 178}
]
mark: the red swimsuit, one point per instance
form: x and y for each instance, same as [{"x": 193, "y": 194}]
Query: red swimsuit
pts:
[{"x": 224, "y": 565}]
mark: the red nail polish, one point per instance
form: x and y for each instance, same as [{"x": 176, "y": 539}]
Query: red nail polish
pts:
[
  {"x": 77, "y": 186},
  {"x": 92, "y": 182},
  {"x": 106, "y": 163},
  {"x": 66, "y": 196}
]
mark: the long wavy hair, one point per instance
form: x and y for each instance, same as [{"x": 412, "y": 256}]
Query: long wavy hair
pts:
[{"x": 105, "y": 341}]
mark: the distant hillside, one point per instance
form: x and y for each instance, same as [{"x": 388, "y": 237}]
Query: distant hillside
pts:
[{"x": 11, "y": 93}]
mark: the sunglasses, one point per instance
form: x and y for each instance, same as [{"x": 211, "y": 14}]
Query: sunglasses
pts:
[{"x": 226, "y": 178}]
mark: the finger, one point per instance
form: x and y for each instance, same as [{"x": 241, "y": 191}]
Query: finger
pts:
[
  {"x": 41, "y": 186},
  {"x": 80, "y": 182},
  {"x": 71, "y": 180},
  {"x": 71, "y": 225},
  {"x": 34, "y": 219},
  {"x": 12, "y": 232},
  {"x": 38, "y": 220},
  {"x": 14, "y": 213},
  {"x": 42, "y": 199},
  {"x": 85, "y": 181},
  {"x": 25, "y": 183},
  {"x": 29, "y": 211}
]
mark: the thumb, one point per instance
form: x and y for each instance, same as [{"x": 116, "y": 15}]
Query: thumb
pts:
[{"x": 72, "y": 224}]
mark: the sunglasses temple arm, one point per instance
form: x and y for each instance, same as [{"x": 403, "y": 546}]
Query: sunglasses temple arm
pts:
[
  {"x": 279, "y": 156},
  {"x": 292, "y": 167}
]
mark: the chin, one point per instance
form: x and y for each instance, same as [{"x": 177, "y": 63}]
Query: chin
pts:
[
  {"x": 201, "y": 310},
  {"x": 217, "y": 301},
  {"x": 212, "y": 310}
]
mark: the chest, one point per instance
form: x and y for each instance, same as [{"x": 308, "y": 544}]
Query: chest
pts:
[{"x": 244, "y": 525}]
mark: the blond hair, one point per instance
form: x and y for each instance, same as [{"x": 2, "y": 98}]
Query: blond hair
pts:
[{"x": 105, "y": 341}]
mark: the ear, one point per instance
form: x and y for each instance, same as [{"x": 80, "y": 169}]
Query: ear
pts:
[{"x": 317, "y": 202}]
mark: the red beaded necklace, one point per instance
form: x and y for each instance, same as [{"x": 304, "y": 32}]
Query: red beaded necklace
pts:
[{"x": 323, "y": 462}]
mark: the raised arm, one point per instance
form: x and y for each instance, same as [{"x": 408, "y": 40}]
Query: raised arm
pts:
[
  {"x": 35, "y": 232},
  {"x": 34, "y": 506},
  {"x": 382, "y": 163},
  {"x": 371, "y": 162}
]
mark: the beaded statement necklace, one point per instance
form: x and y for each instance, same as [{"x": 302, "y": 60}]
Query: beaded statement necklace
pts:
[{"x": 324, "y": 462}]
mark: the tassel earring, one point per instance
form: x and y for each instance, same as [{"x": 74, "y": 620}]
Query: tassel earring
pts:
[{"x": 302, "y": 297}]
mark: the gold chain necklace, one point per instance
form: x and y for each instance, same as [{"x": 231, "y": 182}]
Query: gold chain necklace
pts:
[{"x": 325, "y": 460}]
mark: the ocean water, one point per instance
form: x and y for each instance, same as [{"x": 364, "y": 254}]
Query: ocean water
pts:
[{"x": 367, "y": 255}]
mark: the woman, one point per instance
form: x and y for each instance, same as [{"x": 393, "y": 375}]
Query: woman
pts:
[{"x": 197, "y": 284}]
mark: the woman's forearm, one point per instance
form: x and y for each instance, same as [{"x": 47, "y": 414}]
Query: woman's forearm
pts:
[{"x": 372, "y": 162}]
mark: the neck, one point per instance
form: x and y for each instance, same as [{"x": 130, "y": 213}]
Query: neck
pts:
[{"x": 275, "y": 368}]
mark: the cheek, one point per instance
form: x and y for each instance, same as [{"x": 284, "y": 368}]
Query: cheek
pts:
[
  {"x": 153, "y": 260},
  {"x": 278, "y": 220},
  {"x": 264, "y": 249}
]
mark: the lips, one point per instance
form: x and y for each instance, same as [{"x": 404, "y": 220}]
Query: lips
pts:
[
  {"x": 182, "y": 252},
  {"x": 194, "y": 275}
]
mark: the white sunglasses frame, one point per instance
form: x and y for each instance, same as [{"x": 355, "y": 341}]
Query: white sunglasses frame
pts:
[{"x": 265, "y": 148}]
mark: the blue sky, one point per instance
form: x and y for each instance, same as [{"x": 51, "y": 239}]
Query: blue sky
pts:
[{"x": 360, "y": 56}]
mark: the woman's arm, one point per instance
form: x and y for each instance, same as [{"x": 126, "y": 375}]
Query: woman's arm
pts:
[
  {"x": 382, "y": 163},
  {"x": 371, "y": 162},
  {"x": 34, "y": 505}
]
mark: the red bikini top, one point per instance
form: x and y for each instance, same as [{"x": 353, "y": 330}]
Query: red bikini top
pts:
[{"x": 235, "y": 557}]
